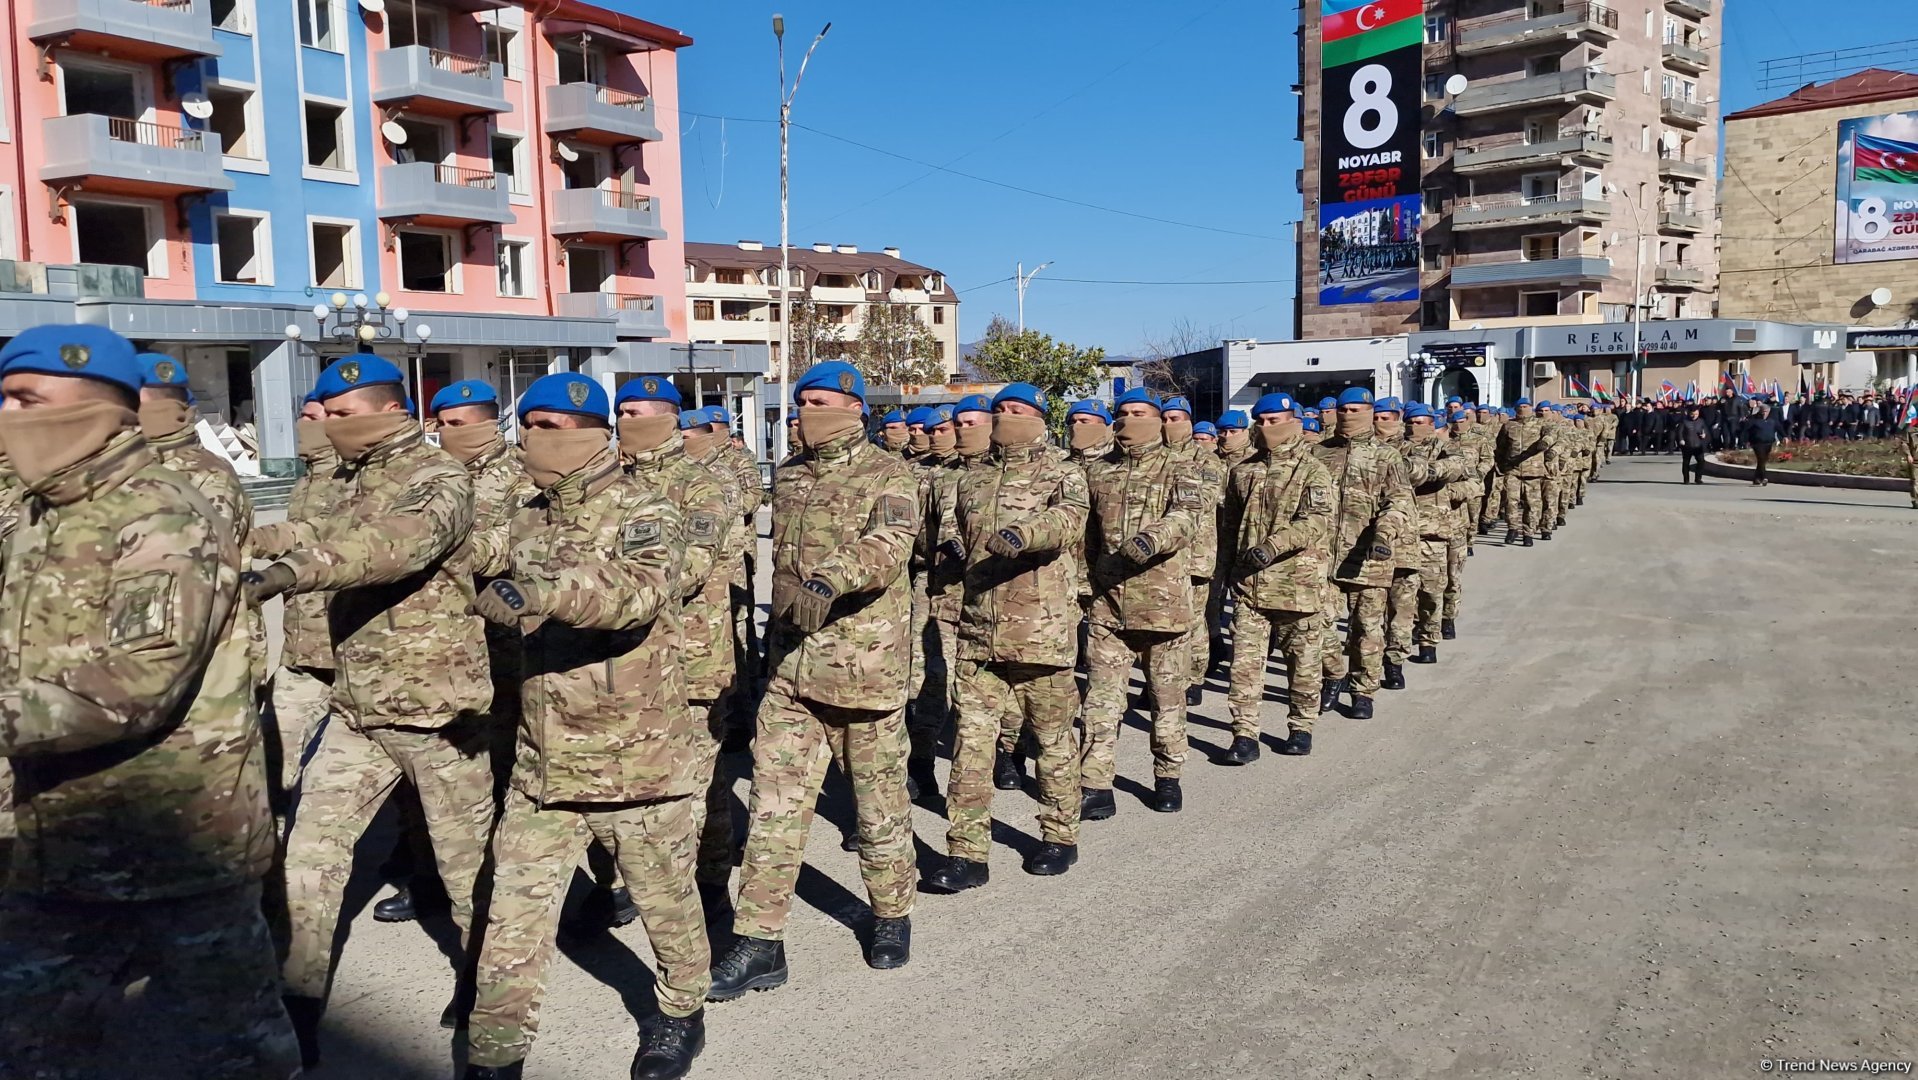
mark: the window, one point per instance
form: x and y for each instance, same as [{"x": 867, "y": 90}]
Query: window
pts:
[
  {"x": 1435, "y": 85},
  {"x": 1431, "y": 313},
  {"x": 776, "y": 316},
  {"x": 1544, "y": 65},
  {"x": 1644, "y": 139},
  {"x": 336, "y": 255},
  {"x": 578, "y": 64},
  {"x": 234, "y": 121},
  {"x": 703, "y": 310},
  {"x": 233, "y": 15},
  {"x": 1671, "y": 30},
  {"x": 1438, "y": 29},
  {"x": 1538, "y": 304},
  {"x": 507, "y": 151},
  {"x": 9, "y": 243},
  {"x": 426, "y": 262},
  {"x": 328, "y": 144},
  {"x": 1647, "y": 73},
  {"x": 938, "y": 316},
  {"x": 1540, "y": 129},
  {"x": 1649, "y": 16},
  {"x": 1539, "y": 187},
  {"x": 120, "y": 234},
  {"x": 1434, "y": 144},
  {"x": 242, "y": 250},
  {"x": 411, "y": 24},
  {"x": 1540, "y": 246},
  {"x": 730, "y": 277},
  {"x": 502, "y": 47},
  {"x": 1434, "y": 258},
  {"x": 938, "y": 350},
  {"x": 321, "y": 26},
  {"x": 513, "y": 280}
]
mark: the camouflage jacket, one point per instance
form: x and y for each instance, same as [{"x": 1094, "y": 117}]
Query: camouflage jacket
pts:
[
  {"x": 1205, "y": 542},
  {"x": 500, "y": 488},
  {"x": 1022, "y": 609},
  {"x": 1283, "y": 500},
  {"x": 394, "y": 553},
  {"x": 847, "y": 514},
  {"x": 305, "y": 642},
  {"x": 1154, "y": 492},
  {"x": 752, "y": 489},
  {"x": 710, "y": 514},
  {"x": 1521, "y": 448},
  {"x": 1374, "y": 508},
  {"x": 209, "y": 474},
  {"x": 11, "y": 492},
  {"x": 127, "y": 710},
  {"x": 1081, "y": 568},
  {"x": 603, "y": 713},
  {"x": 740, "y": 533},
  {"x": 939, "y": 477},
  {"x": 1434, "y": 466},
  {"x": 1478, "y": 449}
]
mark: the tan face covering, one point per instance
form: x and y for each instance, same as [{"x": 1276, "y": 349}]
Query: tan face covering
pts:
[
  {"x": 1089, "y": 436},
  {"x": 1234, "y": 440},
  {"x": 1010, "y": 430},
  {"x": 1388, "y": 429},
  {"x": 42, "y": 443},
  {"x": 973, "y": 441},
  {"x": 553, "y": 454},
  {"x": 822, "y": 424},
  {"x": 1423, "y": 432},
  {"x": 942, "y": 440},
  {"x": 470, "y": 442},
  {"x": 1137, "y": 432},
  {"x": 919, "y": 441},
  {"x": 895, "y": 440},
  {"x": 701, "y": 443},
  {"x": 163, "y": 416},
  {"x": 353, "y": 436},
  {"x": 309, "y": 438},
  {"x": 638, "y": 434},
  {"x": 1178, "y": 432},
  {"x": 1354, "y": 423},
  {"x": 1271, "y": 435}
]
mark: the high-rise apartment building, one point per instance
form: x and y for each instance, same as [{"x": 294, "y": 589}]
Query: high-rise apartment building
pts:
[{"x": 1490, "y": 163}]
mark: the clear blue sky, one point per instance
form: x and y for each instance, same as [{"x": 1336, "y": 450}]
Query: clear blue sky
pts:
[{"x": 1180, "y": 111}]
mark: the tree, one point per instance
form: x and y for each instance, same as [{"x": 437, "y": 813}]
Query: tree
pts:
[
  {"x": 1157, "y": 370},
  {"x": 815, "y": 337},
  {"x": 894, "y": 347},
  {"x": 1061, "y": 369}
]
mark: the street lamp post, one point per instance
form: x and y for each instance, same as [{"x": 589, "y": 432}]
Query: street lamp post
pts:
[
  {"x": 786, "y": 95},
  {"x": 1638, "y": 281},
  {"x": 1022, "y": 279}
]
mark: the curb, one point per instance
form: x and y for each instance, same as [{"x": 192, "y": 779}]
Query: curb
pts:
[{"x": 1799, "y": 478}]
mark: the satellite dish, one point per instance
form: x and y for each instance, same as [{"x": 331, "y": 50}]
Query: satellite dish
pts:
[
  {"x": 374, "y": 6},
  {"x": 394, "y": 133},
  {"x": 1456, "y": 84},
  {"x": 196, "y": 105},
  {"x": 1880, "y": 296},
  {"x": 565, "y": 152}
]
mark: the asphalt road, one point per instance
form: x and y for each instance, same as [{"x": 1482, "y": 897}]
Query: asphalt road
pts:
[{"x": 1650, "y": 816}]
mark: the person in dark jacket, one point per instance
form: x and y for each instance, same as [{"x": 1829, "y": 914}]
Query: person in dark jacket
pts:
[
  {"x": 1762, "y": 432},
  {"x": 1694, "y": 438}
]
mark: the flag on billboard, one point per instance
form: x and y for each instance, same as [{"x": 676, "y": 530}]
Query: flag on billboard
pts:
[
  {"x": 1373, "y": 36},
  {"x": 1887, "y": 161},
  {"x": 1341, "y": 19}
]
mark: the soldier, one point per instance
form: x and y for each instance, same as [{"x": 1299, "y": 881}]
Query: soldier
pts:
[
  {"x": 1235, "y": 447},
  {"x": 1910, "y": 441},
  {"x": 893, "y": 435},
  {"x": 1146, "y": 503},
  {"x": 131, "y": 937},
  {"x": 1401, "y": 600},
  {"x": 413, "y": 690},
  {"x": 303, "y": 687},
  {"x": 1521, "y": 457},
  {"x": 938, "y": 574},
  {"x": 1372, "y": 526},
  {"x": 1314, "y": 433},
  {"x": 10, "y": 493},
  {"x": 1181, "y": 434},
  {"x": 844, "y": 519},
  {"x": 1276, "y": 523},
  {"x": 1554, "y": 452},
  {"x": 1088, "y": 438},
  {"x": 166, "y": 419},
  {"x": 1435, "y": 467},
  {"x": 1468, "y": 495},
  {"x": 1488, "y": 421},
  {"x": 918, "y": 433},
  {"x": 972, "y": 429}
]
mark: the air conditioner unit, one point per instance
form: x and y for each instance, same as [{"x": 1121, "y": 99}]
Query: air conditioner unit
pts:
[{"x": 1544, "y": 369}]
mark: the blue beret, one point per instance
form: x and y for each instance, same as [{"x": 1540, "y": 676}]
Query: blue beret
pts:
[
  {"x": 692, "y": 418},
  {"x": 86, "y": 352},
  {"x": 972, "y": 403},
  {"x": 1438, "y": 420},
  {"x": 1023, "y": 392},
  {"x": 718, "y": 414},
  {"x": 1388, "y": 404},
  {"x": 648, "y": 388},
  {"x": 407, "y": 403},
  {"x": 1355, "y": 395},
  {"x": 1417, "y": 408},
  {"x": 357, "y": 372},
  {"x": 1233, "y": 420},
  {"x": 1455, "y": 400},
  {"x": 566, "y": 392},
  {"x": 1138, "y": 395},
  {"x": 918, "y": 416},
  {"x": 1486, "y": 406},
  {"x": 835, "y": 375},
  {"x": 1307, "y": 411},
  {"x": 1523, "y": 401},
  {"x": 1090, "y": 407},
  {"x": 464, "y": 392},
  {"x": 1328, "y": 403},
  {"x": 1205, "y": 427},
  {"x": 1544, "y": 404},
  {"x": 159, "y": 369},
  {"x": 893, "y": 416},
  {"x": 1312, "y": 423},
  {"x": 1274, "y": 403},
  {"x": 1176, "y": 402},
  {"x": 936, "y": 415}
]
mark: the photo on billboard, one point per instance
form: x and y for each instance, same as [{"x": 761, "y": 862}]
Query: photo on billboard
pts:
[
  {"x": 1876, "y": 209},
  {"x": 1369, "y": 251}
]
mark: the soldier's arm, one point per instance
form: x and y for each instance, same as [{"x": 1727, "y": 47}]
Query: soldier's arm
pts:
[
  {"x": 1064, "y": 521},
  {"x": 428, "y": 522},
  {"x": 492, "y": 546},
  {"x": 1180, "y": 523},
  {"x": 878, "y": 556},
  {"x": 1395, "y": 498},
  {"x": 175, "y": 584},
  {"x": 627, "y": 591},
  {"x": 709, "y": 515},
  {"x": 1311, "y": 523}
]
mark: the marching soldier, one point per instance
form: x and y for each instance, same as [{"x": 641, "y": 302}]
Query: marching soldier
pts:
[
  {"x": 1088, "y": 438},
  {"x": 1521, "y": 458},
  {"x": 1468, "y": 495},
  {"x": 1235, "y": 447},
  {"x": 1372, "y": 526},
  {"x": 893, "y": 434},
  {"x": 936, "y": 595},
  {"x": 918, "y": 432},
  {"x": 1181, "y": 434},
  {"x": 167, "y": 421},
  {"x": 1401, "y": 600},
  {"x": 1434, "y": 467},
  {"x": 303, "y": 687}
]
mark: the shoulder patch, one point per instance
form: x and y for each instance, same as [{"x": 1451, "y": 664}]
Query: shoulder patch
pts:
[
  {"x": 702, "y": 528},
  {"x": 637, "y": 536},
  {"x": 142, "y": 609},
  {"x": 1187, "y": 489},
  {"x": 895, "y": 510}
]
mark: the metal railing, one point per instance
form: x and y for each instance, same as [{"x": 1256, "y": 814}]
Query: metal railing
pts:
[
  {"x": 1512, "y": 255},
  {"x": 171, "y": 5},
  {"x": 164, "y": 136},
  {"x": 1595, "y": 14},
  {"x": 1518, "y": 138},
  {"x": 462, "y": 177},
  {"x": 623, "y": 98},
  {"x": 1681, "y": 107},
  {"x": 624, "y": 200},
  {"x": 1516, "y": 198},
  {"x": 635, "y": 302},
  {"x": 477, "y": 66}
]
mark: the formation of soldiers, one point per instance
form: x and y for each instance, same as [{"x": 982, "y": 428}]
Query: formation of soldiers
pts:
[{"x": 543, "y": 651}]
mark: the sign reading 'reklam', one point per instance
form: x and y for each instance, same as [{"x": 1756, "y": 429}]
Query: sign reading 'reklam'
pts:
[{"x": 1370, "y": 73}]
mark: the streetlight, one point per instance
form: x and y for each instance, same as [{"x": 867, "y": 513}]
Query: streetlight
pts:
[
  {"x": 786, "y": 95},
  {"x": 1638, "y": 277},
  {"x": 1021, "y": 279}
]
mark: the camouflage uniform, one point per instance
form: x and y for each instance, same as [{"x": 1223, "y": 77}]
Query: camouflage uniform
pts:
[
  {"x": 1203, "y": 556},
  {"x": 500, "y": 489},
  {"x": 1372, "y": 528},
  {"x": 1140, "y": 611},
  {"x": 10, "y": 492},
  {"x": 303, "y": 687},
  {"x": 412, "y": 684},
  {"x": 1492, "y": 502},
  {"x": 1402, "y": 597},
  {"x": 935, "y": 603},
  {"x": 1434, "y": 467},
  {"x": 131, "y": 939},
  {"x": 605, "y": 736},
  {"x": 845, "y": 513},
  {"x": 1467, "y": 494},
  {"x": 745, "y": 610},
  {"x": 1521, "y": 457},
  {"x": 1281, "y": 500},
  {"x": 1557, "y": 455},
  {"x": 1017, "y": 640},
  {"x": 1224, "y": 555}
]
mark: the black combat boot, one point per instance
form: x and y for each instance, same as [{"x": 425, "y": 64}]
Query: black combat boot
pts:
[
  {"x": 495, "y": 1072},
  {"x": 1543, "y": 534},
  {"x": 305, "y": 1012},
  {"x": 891, "y": 943},
  {"x": 1361, "y": 707},
  {"x": 1219, "y": 659},
  {"x": 1528, "y": 540},
  {"x": 1052, "y": 859},
  {"x": 1394, "y": 676},
  {"x": 1329, "y": 690},
  {"x": 1194, "y": 695},
  {"x": 1005, "y": 772},
  {"x": 1298, "y": 744},
  {"x": 1243, "y": 751},
  {"x": 1095, "y": 804},
  {"x": 668, "y": 1045},
  {"x": 625, "y": 912},
  {"x": 1428, "y": 654},
  {"x": 850, "y": 841},
  {"x": 1167, "y": 797},
  {"x": 1484, "y": 528},
  {"x": 410, "y": 901},
  {"x": 751, "y": 964},
  {"x": 1512, "y": 537},
  {"x": 1448, "y": 630},
  {"x": 919, "y": 772},
  {"x": 956, "y": 875}
]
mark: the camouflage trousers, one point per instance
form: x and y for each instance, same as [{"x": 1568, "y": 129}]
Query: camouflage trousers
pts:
[
  {"x": 1493, "y": 504},
  {"x": 1360, "y": 652},
  {"x": 712, "y": 811},
  {"x": 185, "y": 987},
  {"x": 1525, "y": 505},
  {"x": 795, "y": 740},
  {"x": 932, "y": 696},
  {"x": 1110, "y": 654},
  {"x": 534, "y": 854},
  {"x": 1456, "y": 547},
  {"x": 1198, "y": 640},
  {"x": 350, "y": 776},
  {"x": 1435, "y": 582},
  {"x": 1299, "y": 636},
  {"x": 1551, "y": 492},
  {"x": 1401, "y": 614},
  {"x": 1045, "y": 699},
  {"x": 301, "y": 699}
]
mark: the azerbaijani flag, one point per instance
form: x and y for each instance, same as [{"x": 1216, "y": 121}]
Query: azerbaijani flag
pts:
[
  {"x": 1666, "y": 389},
  {"x": 1748, "y": 384},
  {"x": 1885, "y": 160},
  {"x": 1354, "y": 30},
  {"x": 1598, "y": 390},
  {"x": 1579, "y": 389}
]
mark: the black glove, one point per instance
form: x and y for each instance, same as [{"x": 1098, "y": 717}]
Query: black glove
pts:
[
  {"x": 1260, "y": 557},
  {"x": 953, "y": 549},
  {"x": 1006, "y": 543},
  {"x": 1381, "y": 550},
  {"x": 505, "y": 602},
  {"x": 812, "y": 604},
  {"x": 264, "y": 585},
  {"x": 1139, "y": 549}
]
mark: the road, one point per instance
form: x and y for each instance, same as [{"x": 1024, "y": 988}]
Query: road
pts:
[{"x": 1650, "y": 816}]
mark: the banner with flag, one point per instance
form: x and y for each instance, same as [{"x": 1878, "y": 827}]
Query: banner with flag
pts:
[
  {"x": 1577, "y": 389},
  {"x": 1877, "y": 189},
  {"x": 1885, "y": 160},
  {"x": 1371, "y": 88},
  {"x": 1666, "y": 390}
]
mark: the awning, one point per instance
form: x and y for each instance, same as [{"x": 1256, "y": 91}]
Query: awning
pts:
[{"x": 557, "y": 28}]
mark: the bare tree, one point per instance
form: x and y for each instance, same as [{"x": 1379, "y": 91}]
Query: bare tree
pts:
[{"x": 1184, "y": 336}]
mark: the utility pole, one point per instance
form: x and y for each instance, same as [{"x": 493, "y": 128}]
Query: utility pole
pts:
[
  {"x": 786, "y": 96},
  {"x": 1021, "y": 279}
]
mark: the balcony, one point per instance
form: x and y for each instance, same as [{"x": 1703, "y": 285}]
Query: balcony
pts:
[
  {"x": 155, "y": 29},
  {"x": 429, "y": 192},
  {"x": 1680, "y": 277},
  {"x": 438, "y": 82},
  {"x": 636, "y": 316},
  {"x": 1689, "y": 114},
  {"x": 1682, "y": 57},
  {"x": 1681, "y": 220},
  {"x": 1691, "y": 9},
  {"x": 1572, "y": 147},
  {"x": 599, "y": 114},
  {"x": 1593, "y": 23},
  {"x": 131, "y": 156},
  {"x": 1509, "y": 211},
  {"x": 1559, "y": 87},
  {"x": 1680, "y": 169},
  {"x": 606, "y": 212},
  {"x": 1511, "y": 268}
]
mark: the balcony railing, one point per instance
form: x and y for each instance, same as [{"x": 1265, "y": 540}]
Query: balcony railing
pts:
[
  {"x": 1503, "y": 209},
  {"x": 120, "y": 129},
  {"x": 635, "y": 314},
  {"x": 605, "y": 212},
  {"x": 1685, "y": 57},
  {"x": 1683, "y": 111},
  {"x": 434, "y": 80},
  {"x": 432, "y": 190},
  {"x": 601, "y": 113},
  {"x": 1680, "y": 275},
  {"x": 1681, "y": 219},
  {"x": 1512, "y": 151},
  {"x": 1524, "y": 93},
  {"x": 146, "y": 27},
  {"x": 1683, "y": 169},
  {"x": 1696, "y": 9},
  {"x": 1487, "y": 269},
  {"x": 1516, "y": 29},
  {"x": 112, "y": 147}
]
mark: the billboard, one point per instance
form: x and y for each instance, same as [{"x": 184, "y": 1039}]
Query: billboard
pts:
[
  {"x": 1876, "y": 208},
  {"x": 1370, "y": 72}
]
